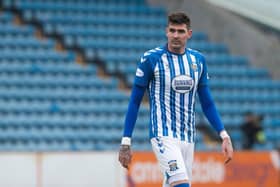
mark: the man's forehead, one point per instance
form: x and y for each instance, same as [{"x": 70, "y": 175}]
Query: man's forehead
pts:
[{"x": 177, "y": 26}]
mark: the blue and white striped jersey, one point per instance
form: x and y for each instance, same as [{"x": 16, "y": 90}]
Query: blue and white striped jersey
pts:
[{"x": 172, "y": 80}]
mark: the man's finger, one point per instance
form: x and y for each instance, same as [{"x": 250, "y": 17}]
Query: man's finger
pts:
[
  {"x": 126, "y": 164},
  {"x": 123, "y": 163},
  {"x": 227, "y": 160}
]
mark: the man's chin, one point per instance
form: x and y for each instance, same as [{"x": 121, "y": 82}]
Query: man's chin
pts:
[{"x": 176, "y": 47}]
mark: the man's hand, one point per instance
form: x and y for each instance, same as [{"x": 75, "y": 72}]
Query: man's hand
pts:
[
  {"x": 125, "y": 155},
  {"x": 227, "y": 149}
]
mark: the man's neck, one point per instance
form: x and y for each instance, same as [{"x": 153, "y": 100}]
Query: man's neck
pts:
[{"x": 176, "y": 51}]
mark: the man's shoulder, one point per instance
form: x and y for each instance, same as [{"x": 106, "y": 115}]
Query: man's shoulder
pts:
[
  {"x": 154, "y": 53},
  {"x": 198, "y": 55},
  {"x": 195, "y": 52}
]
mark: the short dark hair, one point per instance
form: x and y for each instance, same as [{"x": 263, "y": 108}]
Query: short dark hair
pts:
[{"x": 179, "y": 18}]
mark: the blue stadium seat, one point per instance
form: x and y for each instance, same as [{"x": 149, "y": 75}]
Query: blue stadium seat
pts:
[
  {"x": 12, "y": 30},
  {"x": 26, "y": 44},
  {"x": 47, "y": 68},
  {"x": 85, "y": 7},
  {"x": 5, "y": 18}
]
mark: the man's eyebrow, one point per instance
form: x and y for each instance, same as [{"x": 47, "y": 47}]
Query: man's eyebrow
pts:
[
  {"x": 176, "y": 29},
  {"x": 181, "y": 30}
]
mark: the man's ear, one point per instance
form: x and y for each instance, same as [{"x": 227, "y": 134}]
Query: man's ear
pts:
[
  {"x": 166, "y": 31},
  {"x": 190, "y": 33}
]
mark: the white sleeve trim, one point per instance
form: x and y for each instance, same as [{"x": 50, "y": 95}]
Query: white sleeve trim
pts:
[
  {"x": 126, "y": 141},
  {"x": 224, "y": 134}
]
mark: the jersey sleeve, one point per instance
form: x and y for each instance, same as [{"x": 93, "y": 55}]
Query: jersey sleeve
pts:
[
  {"x": 209, "y": 108},
  {"x": 204, "y": 74},
  {"x": 144, "y": 72}
]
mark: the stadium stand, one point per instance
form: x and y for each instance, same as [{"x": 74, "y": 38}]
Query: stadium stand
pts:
[{"x": 50, "y": 103}]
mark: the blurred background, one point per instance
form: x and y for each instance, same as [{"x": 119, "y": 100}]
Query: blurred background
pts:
[{"x": 67, "y": 66}]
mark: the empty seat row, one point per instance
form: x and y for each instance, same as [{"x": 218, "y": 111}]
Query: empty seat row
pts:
[
  {"x": 73, "y": 121},
  {"x": 248, "y": 97},
  {"x": 61, "y": 145},
  {"x": 9, "y": 29},
  {"x": 57, "y": 81},
  {"x": 63, "y": 109},
  {"x": 237, "y": 72},
  {"x": 86, "y": 1},
  {"x": 272, "y": 123},
  {"x": 26, "y": 43},
  {"x": 226, "y": 59},
  {"x": 85, "y": 7},
  {"x": 241, "y": 109},
  {"x": 78, "y": 18},
  {"x": 48, "y": 16},
  {"x": 71, "y": 107},
  {"x": 106, "y": 20},
  {"x": 47, "y": 68},
  {"x": 75, "y": 31},
  {"x": 61, "y": 134},
  {"x": 272, "y": 134},
  {"x": 49, "y": 55},
  {"x": 63, "y": 94},
  {"x": 255, "y": 84}
]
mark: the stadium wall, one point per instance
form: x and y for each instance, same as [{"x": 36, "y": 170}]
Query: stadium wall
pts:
[
  {"x": 93, "y": 169},
  {"x": 67, "y": 169}
]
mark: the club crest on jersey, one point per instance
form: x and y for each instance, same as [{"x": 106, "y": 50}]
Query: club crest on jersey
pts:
[
  {"x": 194, "y": 66},
  {"x": 173, "y": 165},
  {"x": 182, "y": 83}
]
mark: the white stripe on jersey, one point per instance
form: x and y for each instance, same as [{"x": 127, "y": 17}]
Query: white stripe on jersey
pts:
[
  {"x": 187, "y": 72},
  {"x": 177, "y": 96},
  {"x": 167, "y": 92},
  {"x": 192, "y": 117},
  {"x": 157, "y": 98}
]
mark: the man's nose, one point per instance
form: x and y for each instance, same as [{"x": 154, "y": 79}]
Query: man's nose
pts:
[{"x": 175, "y": 35}]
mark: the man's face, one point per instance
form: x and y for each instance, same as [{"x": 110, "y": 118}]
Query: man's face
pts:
[{"x": 177, "y": 36}]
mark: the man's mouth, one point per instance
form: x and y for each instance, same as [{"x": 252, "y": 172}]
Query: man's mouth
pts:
[{"x": 176, "y": 42}]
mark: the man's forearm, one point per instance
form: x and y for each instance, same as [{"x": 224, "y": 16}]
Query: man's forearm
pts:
[
  {"x": 137, "y": 94},
  {"x": 209, "y": 108}
]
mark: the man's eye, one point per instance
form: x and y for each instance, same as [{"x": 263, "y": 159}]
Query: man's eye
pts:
[{"x": 172, "y": 30}]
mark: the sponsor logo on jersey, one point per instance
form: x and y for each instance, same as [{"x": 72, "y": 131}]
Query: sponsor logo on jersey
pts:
[
  {"x": 139, "y": 73},
  {"x": 182, "y": 83}
]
